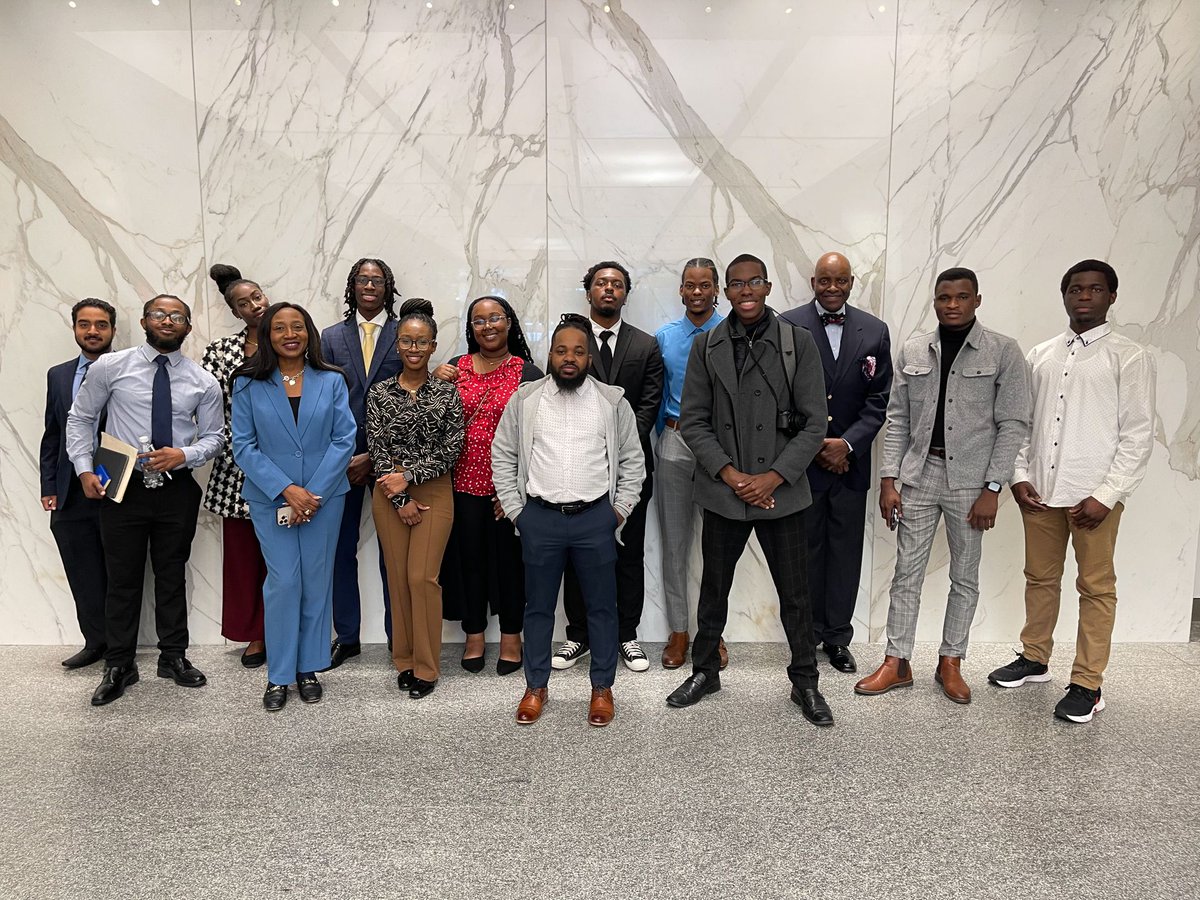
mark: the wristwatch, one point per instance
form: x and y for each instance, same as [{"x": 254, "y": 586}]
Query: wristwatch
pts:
[
  {"x": 994, "y": 486},
  {"x": 407, "y": 475}
]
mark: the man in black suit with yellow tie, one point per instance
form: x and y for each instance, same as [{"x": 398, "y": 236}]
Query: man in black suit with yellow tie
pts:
[
  {"x": 856, "y": 356},
  {"x": 74, "y": 519},
  {"x": 628, "y": 357}
]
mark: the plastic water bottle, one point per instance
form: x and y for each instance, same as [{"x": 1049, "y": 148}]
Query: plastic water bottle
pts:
[{"x": 150, "y": 479}]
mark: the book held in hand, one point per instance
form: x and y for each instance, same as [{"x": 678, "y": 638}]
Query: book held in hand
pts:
[{"x": 115, "y": 459}]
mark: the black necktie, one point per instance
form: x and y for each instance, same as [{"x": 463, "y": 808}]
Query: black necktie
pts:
[
  {"x": 160, "y": 406},
  {"x": 836, "y": 318},
  {"x": 606, "y": 352}
]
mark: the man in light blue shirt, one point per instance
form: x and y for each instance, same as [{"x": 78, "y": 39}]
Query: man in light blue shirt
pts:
[
  {"x": 149, "y": 390},
  {"x": 676, "y": 465}
]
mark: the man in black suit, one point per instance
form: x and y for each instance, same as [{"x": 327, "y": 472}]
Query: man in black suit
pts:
[
  {"x": 856, "y": 355},
  {"x": 75, "y": 519},
  {"x": 628, "y": 357}
]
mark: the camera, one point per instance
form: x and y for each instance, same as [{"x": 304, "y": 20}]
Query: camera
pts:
[{"x": 790, "y": 422}]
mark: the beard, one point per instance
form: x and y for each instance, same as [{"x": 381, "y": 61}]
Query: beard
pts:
[
  {"x": 568, "y": 383},
  {"x": 164, "y": 345}
]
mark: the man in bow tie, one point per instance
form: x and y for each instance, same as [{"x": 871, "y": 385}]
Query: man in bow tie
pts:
[{"x": 855, "y": 350}]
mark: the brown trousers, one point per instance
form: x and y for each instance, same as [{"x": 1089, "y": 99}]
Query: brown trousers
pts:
[
  {"x": 413, "y": 557},
  {"x": 1046, "y": 535}
]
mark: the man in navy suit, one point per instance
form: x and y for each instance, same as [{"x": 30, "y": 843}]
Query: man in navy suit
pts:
[
  {"x": 856, "y": 355},
  {"x": 364, "y": 346},
  {"x": 74, "y": 519}
]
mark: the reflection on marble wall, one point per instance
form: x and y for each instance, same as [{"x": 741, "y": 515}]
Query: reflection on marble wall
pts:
[{"x": 504, "y": 146}]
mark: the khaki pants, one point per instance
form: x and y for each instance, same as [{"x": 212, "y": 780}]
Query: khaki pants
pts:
[
  {"x": 413, "y": 557},
  {"x": 1046, "y": 535}
]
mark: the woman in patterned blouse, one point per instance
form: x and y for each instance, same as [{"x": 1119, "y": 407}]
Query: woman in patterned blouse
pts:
[
  {"x": 414, "y": 435},
  {"x": 482, "y": 567},
  {"x": 242, "y": 566}
]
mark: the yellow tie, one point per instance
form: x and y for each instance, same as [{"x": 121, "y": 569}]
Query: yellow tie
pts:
[{"x": 368, "y": 343}]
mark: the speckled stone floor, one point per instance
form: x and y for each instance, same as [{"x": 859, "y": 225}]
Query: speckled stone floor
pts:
[{"x": 176, "y": 793}]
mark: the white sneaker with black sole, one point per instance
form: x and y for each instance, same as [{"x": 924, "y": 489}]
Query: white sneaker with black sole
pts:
[
  {"x": 568, "y": 654},
  {"x": 633, "y": 657}
]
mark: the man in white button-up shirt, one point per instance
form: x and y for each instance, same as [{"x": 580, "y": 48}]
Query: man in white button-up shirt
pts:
[{"x": 1093, "y": 431}]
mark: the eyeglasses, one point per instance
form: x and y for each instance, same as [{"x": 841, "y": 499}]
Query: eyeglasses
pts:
[
  {"x": 1095, "y": 290},
  {"x": 737, "y": 284},
  {"x": 159, "y": 316},
  {"x": 364, "y": 280},
  {"x": 407, "y": 343},
  {"x": 494, "y": 319},
  {"x": 608, "y": 282}
]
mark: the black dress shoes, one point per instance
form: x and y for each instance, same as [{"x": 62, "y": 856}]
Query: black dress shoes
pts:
[
  {"x": 182, "y": 672},
  {"x": 508, "y": 666},
  {"x": 275, "y": 697},
  {"x": 421, "y": 688},
  {"x": 695, "y": 689},
  {"x": 253, "y": 660},
  {"x": 309, "y": 688},
  {"x": 113, "y": 684},
  {"x": 813, "y": 705},
  {"x": 473, "y": 663},
  {"x": 405, "y": 680},
  {"x": 84, "y": 657},
  {"x": 340, "y": 652},
  {"x": 841, "y": 658}
]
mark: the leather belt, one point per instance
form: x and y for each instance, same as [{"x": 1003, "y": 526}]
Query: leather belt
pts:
[
  {"x": 672, "y": 423},
  {"x": 939, "y": 452},
  {"x": 569, "y": 509}
]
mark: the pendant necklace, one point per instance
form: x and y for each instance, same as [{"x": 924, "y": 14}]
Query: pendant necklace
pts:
[{"x": 292, "y": 379}]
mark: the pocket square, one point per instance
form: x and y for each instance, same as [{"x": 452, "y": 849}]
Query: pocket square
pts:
[{"x": 868, "y": 367}]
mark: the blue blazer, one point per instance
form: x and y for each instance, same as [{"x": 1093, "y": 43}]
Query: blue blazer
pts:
[
  {"x": 857, "y": 397},
  {"x": 275, "y": 450},
  {"x": 56, "y": 469},
  {"x": 341, "y": 347}
]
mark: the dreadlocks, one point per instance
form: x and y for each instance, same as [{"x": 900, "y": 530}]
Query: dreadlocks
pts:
[
  {"x": 517, "y": 345},
  {"x": 390, "y": 294}
]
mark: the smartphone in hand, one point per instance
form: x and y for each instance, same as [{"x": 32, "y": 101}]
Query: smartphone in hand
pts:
[
  {"x": 895, "y": 518},
  {"x": 283, "y": 516}
]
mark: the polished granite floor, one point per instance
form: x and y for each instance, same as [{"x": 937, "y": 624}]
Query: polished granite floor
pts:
[{"x": 176, "y": 793}]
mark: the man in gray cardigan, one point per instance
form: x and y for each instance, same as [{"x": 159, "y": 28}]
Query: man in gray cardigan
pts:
[
  {"x": 958, "y": 414},
  {"x": 753, "y": 435}
]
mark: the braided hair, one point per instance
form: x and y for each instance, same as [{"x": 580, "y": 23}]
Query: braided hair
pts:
[
  {"x": 517, "y": 344},
  {"x": 389, "y": 287}
]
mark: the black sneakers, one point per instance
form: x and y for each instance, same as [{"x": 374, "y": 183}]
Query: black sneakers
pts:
[
  {"x": 1079, "y": 705},
  {"x": 568, "y": 654},
  {"x": 1018, "y": 672}
]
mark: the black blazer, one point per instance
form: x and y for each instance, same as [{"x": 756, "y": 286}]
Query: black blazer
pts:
[
  {"x": 856, "y": 396},
  {"x": 58, "y": 475},
  {"x": 340, "y": 346},
  {"x": 637, "y": 367}
]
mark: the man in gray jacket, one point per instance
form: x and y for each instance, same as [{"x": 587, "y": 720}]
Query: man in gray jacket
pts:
[
  {"x": 568, "y": 468},
  {"x": 958, "y": 414},
  {"x": 753, "y": 431}
]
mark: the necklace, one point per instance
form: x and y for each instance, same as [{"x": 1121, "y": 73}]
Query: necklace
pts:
[
  {"x": 493, "y": 365},
  {"x": 292, "y": 379}
]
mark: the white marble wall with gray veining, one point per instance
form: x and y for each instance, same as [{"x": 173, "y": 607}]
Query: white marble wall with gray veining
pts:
[{"x": 494, "y": 146}]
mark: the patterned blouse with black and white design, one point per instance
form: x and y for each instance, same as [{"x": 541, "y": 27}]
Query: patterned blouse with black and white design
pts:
[
  {"x": 422, "y": 434},
  {"x": 223, "y": 496}
]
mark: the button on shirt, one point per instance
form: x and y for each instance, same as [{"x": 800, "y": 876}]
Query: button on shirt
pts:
[
  {"x": 1093, "y": 418},
  {"x": 569, "y": 460},
  {"x": 833, "y": 332},
  {"x": 675, "y": 344},
  {"x": 124, "y": 382}
]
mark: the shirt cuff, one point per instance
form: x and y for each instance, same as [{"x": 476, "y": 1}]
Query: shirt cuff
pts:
[
  {"x": 1108, "y": 496},
  {"x": 1020, "y": 475},
  {"x": 849, "y": 445},
  {"x": 398, "y": 500},
  {"x": 83, "y": 465}
]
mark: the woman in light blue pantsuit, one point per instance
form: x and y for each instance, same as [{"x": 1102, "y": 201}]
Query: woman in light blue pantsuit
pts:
[{"x": 293, "y": 435}]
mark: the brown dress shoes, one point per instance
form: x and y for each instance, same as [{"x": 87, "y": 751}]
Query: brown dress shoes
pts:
[
  {"x": 676, "y": 650},
  {"x": 895, "y": 672},
  {"x": 951, "y": 680},
  {"x": 600, "y": 712},
  {"x": 723, "y": 653},
  {"x": 530, "y": 708}
]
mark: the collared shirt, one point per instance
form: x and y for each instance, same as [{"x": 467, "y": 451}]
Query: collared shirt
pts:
[
  {"x": 80, "y": 368},
  {"x": 598, "y": 329},
  {"x": 675, "y": 344},
  {"x": 379, "y": 321},
  {"x": 124, "y": 382},
  {"x": 569, "y": 460},
  {"x": 1093, "y": 418},
  {"x": 833, "y": 332}
]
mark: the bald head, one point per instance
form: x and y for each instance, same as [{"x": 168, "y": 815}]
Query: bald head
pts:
[{"x": 832, "y": 281}]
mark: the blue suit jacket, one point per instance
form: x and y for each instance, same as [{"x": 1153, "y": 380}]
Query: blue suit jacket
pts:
[
  {"x": 341, "y": 347},
  {"x": 275, "y": 450},
  {"x": 57, "y": 473},
  {"x": 857, "y": 399}
]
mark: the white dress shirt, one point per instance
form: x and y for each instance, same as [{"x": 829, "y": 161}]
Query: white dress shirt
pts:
[
  {"x": 379, "y": 321},
  {"x": 1093, "y": 418},
  {"x": 569, "y": 460},
  {"x": 597, "y": 329},
  {"x": 833, "y": 332}
]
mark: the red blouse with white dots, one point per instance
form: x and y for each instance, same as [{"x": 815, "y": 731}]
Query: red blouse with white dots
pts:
[{"x": 484, "y": 398}]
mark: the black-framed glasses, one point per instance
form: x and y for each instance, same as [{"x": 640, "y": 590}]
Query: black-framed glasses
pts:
[
  {"x": 159, "y": 316},
  {"x": 364, "y": 280},
  {"x": 737, "y": 284},
  {"x": 494, "y": 319},
  {"x": 407, "y": 343}
]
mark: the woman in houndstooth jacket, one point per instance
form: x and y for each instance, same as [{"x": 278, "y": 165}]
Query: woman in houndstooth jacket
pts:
[{"x": 242, "y": 566}]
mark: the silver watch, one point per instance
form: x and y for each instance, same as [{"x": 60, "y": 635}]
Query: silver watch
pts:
[{"x": 994, "y": 486}]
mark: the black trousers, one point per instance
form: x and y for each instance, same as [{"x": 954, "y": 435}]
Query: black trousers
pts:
[
  {"x": 631, "y": 578},
  {"x": 835, "y": 525},
  {"x": 482, "y": 568},
  {"x": 783, "y": 543},
  {"x": 76, "y": 529},
  {"x": 162, "y": 520}
]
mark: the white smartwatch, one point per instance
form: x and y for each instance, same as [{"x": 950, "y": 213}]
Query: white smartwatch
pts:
[{"x": 994, "y": 486}]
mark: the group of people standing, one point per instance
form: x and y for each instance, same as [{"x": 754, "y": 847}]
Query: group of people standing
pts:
[{"x": 492, "y": 484}]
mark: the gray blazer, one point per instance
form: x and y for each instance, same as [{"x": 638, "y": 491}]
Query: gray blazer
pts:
[
  {"x": 727, "y": 420},
  {"x": 512, "y": 448},
  {"x": 987, "y": 409}
]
